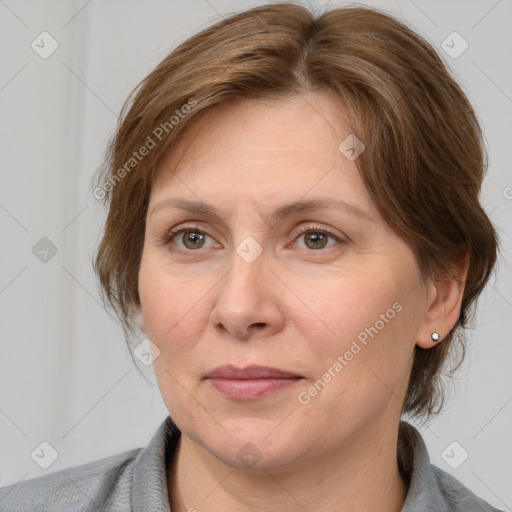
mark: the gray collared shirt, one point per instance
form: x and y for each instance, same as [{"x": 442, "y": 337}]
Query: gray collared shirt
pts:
[{"x": 136, "y": 481}]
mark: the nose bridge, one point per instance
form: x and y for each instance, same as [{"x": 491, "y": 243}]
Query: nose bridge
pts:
[
  {"x": 247, "y": 267},
  {"x": 244, "y": 298},
  {"x": 247, "y": 258}
]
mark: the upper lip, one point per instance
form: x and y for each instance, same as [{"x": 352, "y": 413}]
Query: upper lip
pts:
[{"x": 249, "y": 372}]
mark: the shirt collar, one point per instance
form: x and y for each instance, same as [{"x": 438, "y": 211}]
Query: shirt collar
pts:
[
  {"x": 150, "y": 470},
  {"x": 414, "y": 465}
]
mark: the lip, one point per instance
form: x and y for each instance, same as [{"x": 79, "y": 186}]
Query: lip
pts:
[
  {"x": 250, "y": 383},
  {"x": 250, "y": 372}
]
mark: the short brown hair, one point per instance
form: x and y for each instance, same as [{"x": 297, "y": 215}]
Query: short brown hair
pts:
[{"x": 423, "y": 165}]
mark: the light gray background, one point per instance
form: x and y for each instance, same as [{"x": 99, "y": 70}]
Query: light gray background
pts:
[{"x": 65, "y": 374}]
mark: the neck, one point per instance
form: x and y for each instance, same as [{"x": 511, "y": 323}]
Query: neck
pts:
[{"x": 361, "y": 476}]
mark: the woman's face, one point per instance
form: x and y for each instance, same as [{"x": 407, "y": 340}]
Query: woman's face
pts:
[{"x": 283, "y": 330}]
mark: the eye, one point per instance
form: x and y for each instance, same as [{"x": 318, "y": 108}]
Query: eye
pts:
[
  {"x": 190, "y": 238},
  {"x": 316, "y": 238},
  {"x": 187, "y": 238}
]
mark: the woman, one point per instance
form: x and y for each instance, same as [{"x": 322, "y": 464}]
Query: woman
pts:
[{"x": 294, "y": 224}]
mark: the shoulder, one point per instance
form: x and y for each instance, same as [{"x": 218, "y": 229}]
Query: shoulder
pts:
[
  {"x": 132, "y": 480},
  {"x": 431, "y": 488},
  {"x": 454, "y": 496},
  {"x": 100, "y": 485}
]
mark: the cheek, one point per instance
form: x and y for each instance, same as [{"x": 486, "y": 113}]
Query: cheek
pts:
[
  {"x": 368, "y": 328},
  {"x": 173, "y": 319},
  {"x": 171, "y": 306},
  {"x": 346, "y": 309}
]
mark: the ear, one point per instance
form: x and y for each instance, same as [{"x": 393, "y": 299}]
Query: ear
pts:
[{"x": 444, "y": 299}]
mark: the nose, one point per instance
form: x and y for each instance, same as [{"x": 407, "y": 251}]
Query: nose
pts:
[{"x": 247, "y": 303}]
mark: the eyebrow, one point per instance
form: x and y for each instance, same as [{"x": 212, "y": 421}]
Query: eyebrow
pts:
[{"x": 286, "y": 210}]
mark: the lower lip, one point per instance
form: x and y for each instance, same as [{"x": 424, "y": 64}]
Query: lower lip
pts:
[{"x": 250, "y": 389}]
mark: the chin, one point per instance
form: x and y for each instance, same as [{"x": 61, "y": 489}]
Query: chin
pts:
[
  {"x": 256, "y": 455},
  {"x": 252, "y": 443}
]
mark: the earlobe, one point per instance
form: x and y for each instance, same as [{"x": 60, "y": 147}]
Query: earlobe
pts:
[{"x": 444, "y": 301}]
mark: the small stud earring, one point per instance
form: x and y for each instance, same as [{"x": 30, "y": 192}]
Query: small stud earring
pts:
[{"x": 435, "y": 337}]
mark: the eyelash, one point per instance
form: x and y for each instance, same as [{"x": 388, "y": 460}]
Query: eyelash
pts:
[{"x": 171, "y": 234}]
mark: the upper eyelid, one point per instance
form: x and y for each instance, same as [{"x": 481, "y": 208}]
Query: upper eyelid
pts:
[{"x": 310, "y": 228}]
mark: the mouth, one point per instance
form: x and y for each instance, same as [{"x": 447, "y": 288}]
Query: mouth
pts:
[{"x": 251, "y": 383}]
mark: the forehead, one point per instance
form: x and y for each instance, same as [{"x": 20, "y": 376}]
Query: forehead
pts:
[{"x": 262, "y": 152}]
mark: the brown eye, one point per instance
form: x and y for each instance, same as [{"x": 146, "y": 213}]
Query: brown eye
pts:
[
  {"x": 193, "y": 239},
  {"x": 188, "y": 239},
  {"x": 315, "y": 240}
]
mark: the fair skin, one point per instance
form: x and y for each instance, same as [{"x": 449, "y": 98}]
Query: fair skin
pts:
[{"x": 297, "y": 307}]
